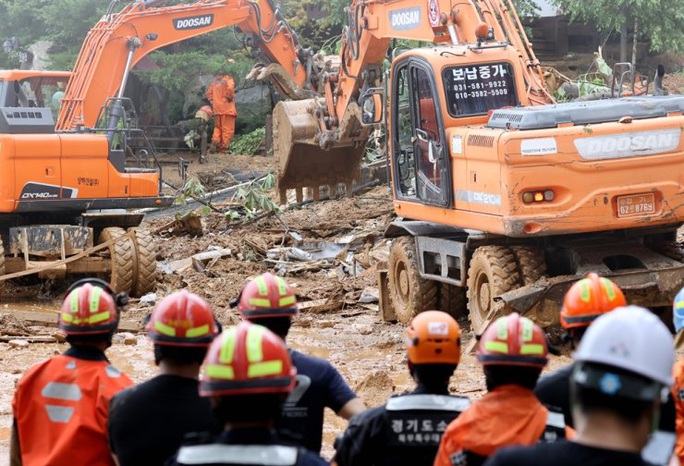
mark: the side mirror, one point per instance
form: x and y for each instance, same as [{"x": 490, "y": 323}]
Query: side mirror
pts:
[{"x": 372, "y": 107}]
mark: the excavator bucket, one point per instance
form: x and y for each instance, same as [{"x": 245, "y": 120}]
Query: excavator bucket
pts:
[{"x": 302, "y": 162}]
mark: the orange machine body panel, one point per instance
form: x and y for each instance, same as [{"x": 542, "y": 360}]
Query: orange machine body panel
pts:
[
  {"x": 613, "y": 175},
  {"x": 54, "y": 168}
]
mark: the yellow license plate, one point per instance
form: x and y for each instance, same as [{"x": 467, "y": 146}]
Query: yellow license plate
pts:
[{"x": 636, "y": 204}]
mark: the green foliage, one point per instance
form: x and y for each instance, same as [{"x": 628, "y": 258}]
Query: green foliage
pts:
[
  {"x": 660, "y": 21},
  {"x": 192, "y": 189},
  {"x": 65, "y": 22},
  {"x": 9, "y": 61},
  {"x": 254, "y": 200},
  {"x": 247, "y": 144}
]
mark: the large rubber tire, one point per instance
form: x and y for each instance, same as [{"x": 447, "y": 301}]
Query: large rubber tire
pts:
[
  {"x": 409, "y": 294},
  {"x": 671, "y": 249},
  {"x": 492, "y": 272},
  {"x": 146, "y": 261},
  {"x": 531, "y": 263},
  {"x": 122, "y": 257},
  {"x": 453, "y": 300}
]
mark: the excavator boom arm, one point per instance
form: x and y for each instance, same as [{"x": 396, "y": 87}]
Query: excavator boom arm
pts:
[
  {"x": 373, "y": 23},
  {"x": 120, "y": 40}
]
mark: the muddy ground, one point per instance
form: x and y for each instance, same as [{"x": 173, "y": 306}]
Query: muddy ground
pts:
[
  {"x": 328, "y": 251},
  {"x": 336, "y": 286}
]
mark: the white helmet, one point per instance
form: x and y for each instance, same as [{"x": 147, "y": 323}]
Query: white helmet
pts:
[{"x": 630, "y": 338}]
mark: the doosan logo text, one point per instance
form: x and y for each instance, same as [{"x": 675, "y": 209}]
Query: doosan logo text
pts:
[
  {"x": 193, "y": 22},
  {"x": 404, "y": 19},
  {"x": 628, "y": 144}
]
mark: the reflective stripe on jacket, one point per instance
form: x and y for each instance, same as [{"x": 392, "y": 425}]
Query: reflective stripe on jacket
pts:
[{"x": 60, "y": 410}]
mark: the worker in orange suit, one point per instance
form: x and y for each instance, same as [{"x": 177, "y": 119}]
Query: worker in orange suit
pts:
[
  {"x": 221, "y": 94},
  {"x": 61, "y": 405},
  {"x": 678, "y": 375},
  {"x": 512, "y": 351}
]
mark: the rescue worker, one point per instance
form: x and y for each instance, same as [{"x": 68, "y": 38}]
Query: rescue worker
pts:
[
  {"x": 60, "y": 405},
  {"x": 247, "y": 375},
  {"x": 623, "y": 367},
  {"x": 221, "y": 94},
  {"x": 677, "y": 392},
  {"x": 269, "y": 301},
  {"x": 586, "y": 299},
  {"x": 147, "y": 422},
  {"x": 408, "y": 428},
  {"x": 512, "y": 352}
]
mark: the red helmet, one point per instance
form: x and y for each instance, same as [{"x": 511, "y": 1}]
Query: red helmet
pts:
[
  {"x": 267, "y": 296},
  {"x": 433, "y": 337},
  {"x": 182, "y": 319},
  {"x": 247, "y": 359},
  {"x": 589, "y": 298},
  {"x": 513, "y": 341},
  {"x": 88, "y": 310}
]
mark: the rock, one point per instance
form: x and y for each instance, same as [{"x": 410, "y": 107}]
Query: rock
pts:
[
  {"x": 149, "y": 299},
  {"x": 253, "y": 104},
  {"x": 365, "y": 329},
  {"x": 369, "y": 295},
  {"x": 325, "y": 323},
  {"x": 126, "y": 338},
  {"x": 18, "y": 343}
]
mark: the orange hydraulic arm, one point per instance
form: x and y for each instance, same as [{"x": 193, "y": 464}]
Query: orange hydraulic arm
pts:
[
  {"x": 119, "y": 40},
  {"x": 373, "y": 23}
]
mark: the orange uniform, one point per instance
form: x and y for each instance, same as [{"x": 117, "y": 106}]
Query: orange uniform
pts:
[
  {"x": 507, "y": 415},
  {"x": 61, "y": 408},
  {"x": 221, "y": 94}
]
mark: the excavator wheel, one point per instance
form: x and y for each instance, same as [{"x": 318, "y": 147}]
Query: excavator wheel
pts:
[
  {"x": 453, "y": 300},
  {"x": 531, "y": 263},
  {"x": 409, "y": 294},
  {"x": 671, "y": 249},
  {"x": 122, "y": 256},
  {"x": 146, "y": 260},
  {"x": 492, "y": 272}
]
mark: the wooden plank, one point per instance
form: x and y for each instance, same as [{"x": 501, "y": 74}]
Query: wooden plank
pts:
[{"x": 50, "y": 320}]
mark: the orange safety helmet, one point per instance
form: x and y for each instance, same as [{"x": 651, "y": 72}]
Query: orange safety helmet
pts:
[
  {"x": 513, "y": 341},
  {"x": 182, "y": 319},
  {"x": 267, "y": 296},
  {"x": 587, "y": 299},
  {"x": 433, "y": 337},
  {"x": 247, "y": 359},
  {"x": 88, "y": 310},
  {"x": 205, "y": 113}
]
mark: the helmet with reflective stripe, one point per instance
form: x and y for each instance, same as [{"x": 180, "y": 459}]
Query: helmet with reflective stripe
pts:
[
  {"x": 267, "y": 296},
  {"x": 513, "y": 341},
  {"x": 247, "y": 359},
  {"x": 630, "y": 338},
  {"x": 587, "y": 299},
  {"x": 433, "y": 337},
  {"x": 88, "y": 310},
  {"x": 678, "y": 310},
  {"x": 182, "y": 319}
]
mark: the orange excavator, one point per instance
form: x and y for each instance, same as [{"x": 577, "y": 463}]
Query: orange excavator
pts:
[
  {"x": 66, "y": 186},
  {"x": 505, "y": 197}
]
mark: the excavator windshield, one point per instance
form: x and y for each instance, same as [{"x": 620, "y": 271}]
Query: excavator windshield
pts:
[
  {"x": 33, "y": 91},
  {"x": 477, "y": 89}
]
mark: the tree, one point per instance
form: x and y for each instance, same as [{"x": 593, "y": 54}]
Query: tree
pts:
[{"x": 661, "y": 22}]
